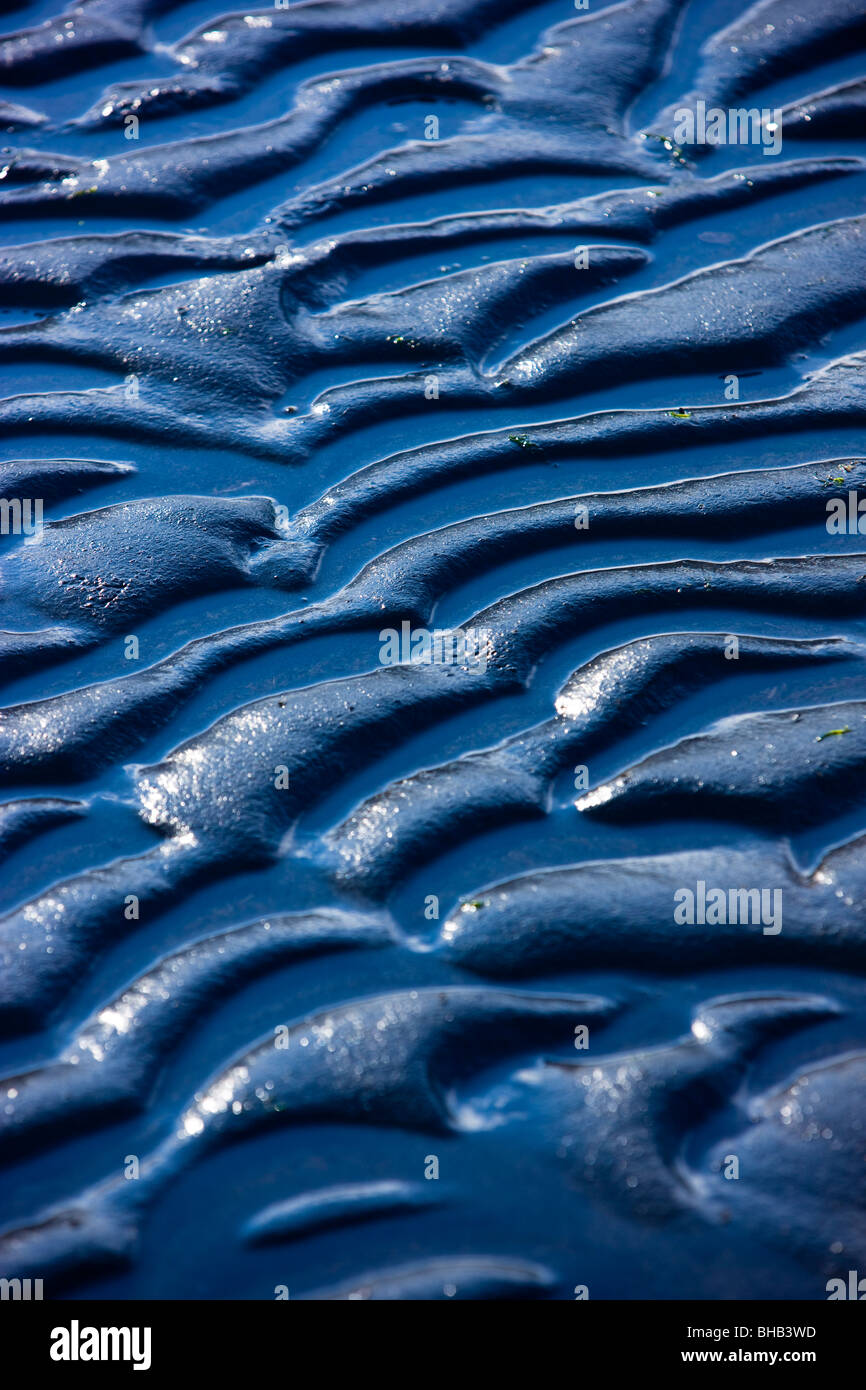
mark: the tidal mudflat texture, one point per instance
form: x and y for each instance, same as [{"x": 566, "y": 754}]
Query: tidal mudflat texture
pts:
[{"x": 433, "y": 582}]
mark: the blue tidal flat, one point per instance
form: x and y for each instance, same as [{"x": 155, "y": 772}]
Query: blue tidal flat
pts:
[{"x": 433, "y": 582}]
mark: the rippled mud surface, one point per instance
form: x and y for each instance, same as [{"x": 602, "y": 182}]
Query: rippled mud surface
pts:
[{"x": 335, "y": 963}]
